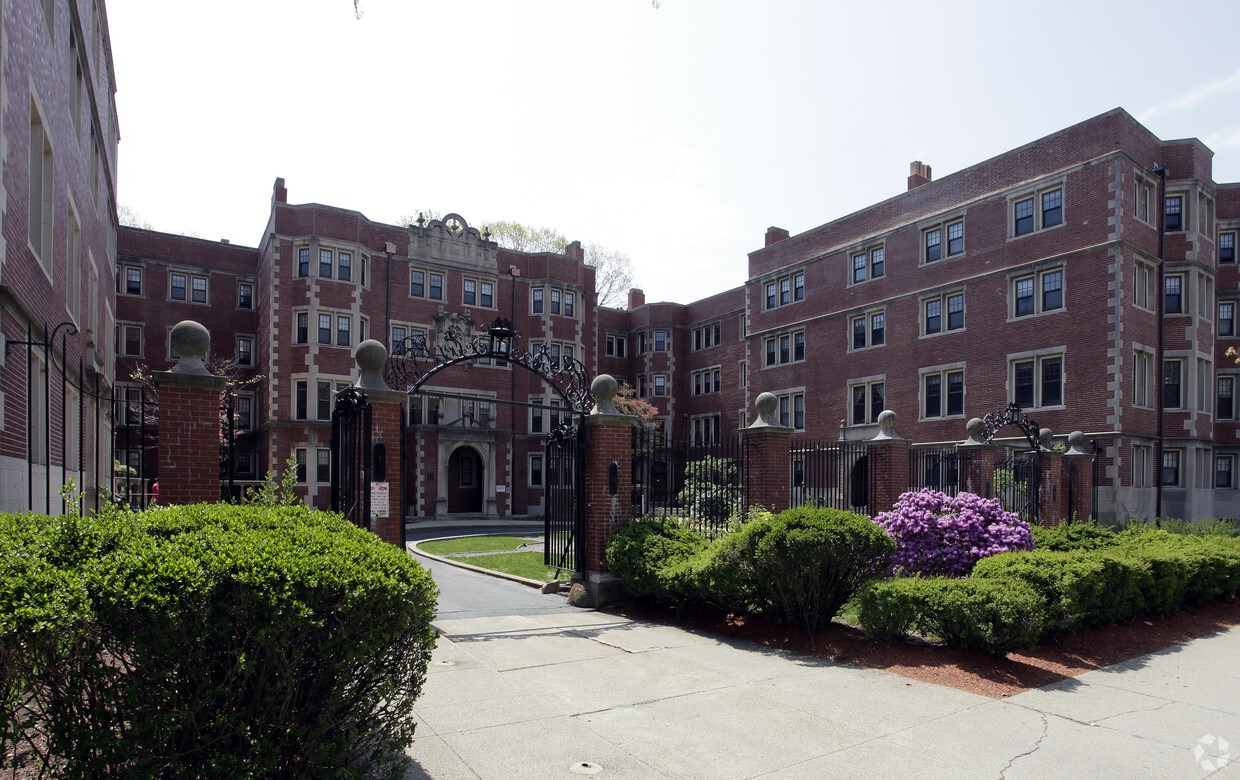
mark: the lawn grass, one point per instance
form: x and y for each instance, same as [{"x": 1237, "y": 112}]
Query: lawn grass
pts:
[
  {"x": 523, "y": 564},
  {"x": 473, "y": 544}
]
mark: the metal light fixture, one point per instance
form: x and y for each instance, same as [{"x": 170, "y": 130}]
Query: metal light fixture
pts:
[{"x": 501, "y": 333}]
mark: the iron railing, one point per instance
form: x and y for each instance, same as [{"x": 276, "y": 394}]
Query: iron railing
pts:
[
  {"x": 702, "y": 482},
  {"x": 834, "y": 474}
]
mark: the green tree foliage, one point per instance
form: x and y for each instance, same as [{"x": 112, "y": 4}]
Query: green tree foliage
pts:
[{"x": 710, "y": 492}]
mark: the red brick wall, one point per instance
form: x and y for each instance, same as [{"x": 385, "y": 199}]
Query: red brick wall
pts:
[{"x": 189, "y": 451}]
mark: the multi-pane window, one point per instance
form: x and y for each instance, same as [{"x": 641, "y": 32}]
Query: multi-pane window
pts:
[
  {"x": 1037, "y": 293},
  {"x": 436, "y": 287},
  {"x": 878, "y": 329},
  {"x": 869, "y": 264},
  {"x": 245, "y": 295},
  {"x": 1227, "y": 318},
  {"x": 133, "y": 280},
  {"x": 244, "y": 409},
  {"x": 344, "y": 266},
  {"x": 536, "y": 470},
  {"x": 932, "y": 240},
  {"x": 1173, "y": 381},
  {"x": 784, "y": 291},
  {"x": 132, "y": 341},
  {"x": 770, "y": 295},
  {"x": 569, "y": 306},
  {"x": 792, "y": 410},
  {"x": 198, "y": 289},
  {"x": 1143, "y": 379},
  {"x": 342, "y": 331},
  {"x": 303, "y": 327},
  {"x": 1141, "y": 459},
  {"x": 245, "y": 351},
  {"x": 1038, "y": 381},
  {"x": 323, "y": 398},
  {"x": 486, "y": 294},
  {"x": 934, "y": 244},
  {"x": 325, "y": 328},
  {"x": 555, "y": 301},
  {"x": 707, "y": 381},
  {"x": 868, "y": 330},
  {"x": 1225, "y": 405},
  {"x": 706, "y": 429},
  {"x": 1037, "y": 212},
  {"x": 1173, "y": 213},
  {"x": 1224, "y": 471},
  {"x": 1227, "y": 247},
  {"x": 1052, "y": 208},
  {"x": 299, "y": 399},
  {"x": 1142, "y": 286},
  {"x": 417, "y": 283},
  {"x": 943, "y": 393},
  {"x": 303, "y": 261},
  {"x": 41, "y": 194},
  {"x": 785, "y": 348},
  {"x": 536, "y": 303},
  {"x": 1171, "y": 467},
  {"x": 660, "y": 340},
  {"x": 325, "y": 263},
  {"x": 1144, "y": 196},
  {"x": 955, "y": 238},
  {"x": 660, "y": 384},
  {"x": 798, "y": 281},
  {"x": 470, "y": 293},
  {"x": 866, "y": 400},
  {"x": 615, "y": 346},
  {"x": 1173, "y": 294},
  {"x": 323, "y": 464},
  {"x": 177, "y": 284}
]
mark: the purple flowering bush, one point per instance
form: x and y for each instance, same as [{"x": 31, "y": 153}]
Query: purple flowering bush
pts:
[{"x": 941, "y": 535}]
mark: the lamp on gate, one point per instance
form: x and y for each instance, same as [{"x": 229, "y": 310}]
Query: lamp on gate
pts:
[{"x": 501, "y": 334}]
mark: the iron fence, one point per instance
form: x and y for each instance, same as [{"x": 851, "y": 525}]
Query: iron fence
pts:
[
  {"x": 836, "y": 474},
  {"x": 703, "y": 482},
  {"x": 939, "y": 468},
  {"x": 1018, "y": 479}
]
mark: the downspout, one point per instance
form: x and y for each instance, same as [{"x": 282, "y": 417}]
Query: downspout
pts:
[{"x": 1161, "y": 172}]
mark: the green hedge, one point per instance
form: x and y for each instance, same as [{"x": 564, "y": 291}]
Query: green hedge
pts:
[
  {"x": 1067, "y": 537},
  {"x": 212, "y": 641},
  {"x": 650, "y": 554},
  {"x": 1080, "y": 588},
  {"x": 988, "y": 615}
]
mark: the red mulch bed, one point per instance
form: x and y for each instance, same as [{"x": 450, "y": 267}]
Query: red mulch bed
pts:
[{"x": 1055, "y": 659}]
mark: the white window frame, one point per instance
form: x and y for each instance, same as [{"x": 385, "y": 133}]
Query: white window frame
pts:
[
  {"x": 943, "y": 372},
  {"x": 1039, "y": 358},
  {"x": 1038, "y": 275},
  {"x": 867, "y": 317},
  {"x": 866, "y": 382}
]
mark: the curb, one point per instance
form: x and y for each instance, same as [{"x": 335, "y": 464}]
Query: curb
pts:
[{"x": 412, "y": 547}]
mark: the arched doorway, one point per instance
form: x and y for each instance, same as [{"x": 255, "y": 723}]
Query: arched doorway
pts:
[{"x": 465, "y": 481}]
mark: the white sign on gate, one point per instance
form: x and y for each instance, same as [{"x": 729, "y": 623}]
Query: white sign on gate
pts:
[{"x": 378, "y": 499}]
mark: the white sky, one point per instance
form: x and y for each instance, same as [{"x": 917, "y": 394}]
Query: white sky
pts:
[{"x": 676, "y": 135}]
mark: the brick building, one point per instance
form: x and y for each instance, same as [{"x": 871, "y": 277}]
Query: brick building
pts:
[
  {"x": 58, "y": 226},
  {"x": 1031, "y": 277}
]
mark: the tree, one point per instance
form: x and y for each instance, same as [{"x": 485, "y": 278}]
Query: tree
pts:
[
  {"x": 129, "y": 217},
  {"x": 628, "y": 403},
  {"x": 613, "y": 275},
  {"x": 527, "y": 238}
]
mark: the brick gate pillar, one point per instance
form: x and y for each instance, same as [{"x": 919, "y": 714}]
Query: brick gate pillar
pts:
[
  {"x": 1079, "y": 464},
  {"x": 189, "y": 421},
  {"x": 766, "y": 442},
  {"x": 609, "y": 489},
  {"x": 978, "y": 468},
  {"x": 386, "y": 406},
  {"x": 890, "y": 469},
  {"x": 1052, "y": 492}
]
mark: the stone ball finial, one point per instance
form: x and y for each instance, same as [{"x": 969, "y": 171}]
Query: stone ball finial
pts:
[
  {"x": 887, "y": 420},
  {"x": 604, "y": 388},
  {"x": 1076, "y": 444},
  {"x": 976, "y": 429},
  {"x": 1044, "y": 438},
  {"x": 192, "y": 342},
  {"x": 766, "y": 404},
  {"x": 370, "y": 357}
]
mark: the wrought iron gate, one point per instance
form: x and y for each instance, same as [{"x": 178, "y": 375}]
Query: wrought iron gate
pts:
[
  {"x": 564, "y": 535},
  {"x": 350, "y": 458},
  {"x": 1018, "y": 477}
]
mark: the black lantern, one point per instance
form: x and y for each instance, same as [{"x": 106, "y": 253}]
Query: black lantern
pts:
[{"x": 501, "y": 334}]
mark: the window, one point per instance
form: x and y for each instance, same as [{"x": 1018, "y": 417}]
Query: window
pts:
[
  {"x": 1171, "y": 467},
  {"x": 785, "y": 348},
  {"x": 1172, "y": 397},
  {"x": 1173, "y": 294},
  {"x": 300, "y": 454},
  {"x": 303, "y": 261},
  {"x": 244, "y": 412},
  {"x": 325, "y": 328},
  {"x": 1038, "y": 381},
  {"x": 536, "y": 470},
  {"x": 568, "y": 304},
  {"x": 1205, "y": 377},
  {"x": 1142, "y": 292},
  {"x": 615, "y": 346},
  {"x": 932, "y": 240},
  {"x": 943, "y": 393},
  {"x": 660, "y": 341},
  {"x": 300, "y": 389},
  {"x": 303, "y": 326},
  {"x": 133, "y": 281},
  {"x": 1026, "y": 299},
  {"x": 323, "y": 465},
  {"x": 417, "y": 283},
  {"x": 798, "y": 286},
  {"x": 344, "y": 266},
  {"x": 245, "y": 295},
  {"x": 785, "y": 291},
  {"x": 706, "y": 429},
  {"x": 770, "y": 295},
  {"x": 1141, "y": 458},
  {"x": 1144, "y": 196},
  {"x": 471, "y": 293},
  {"x": 1052, "y": 208},
  {"x": 245, "y": 351},
  {"x": 1037, "y": 212},
  {"x": 860, "y": 267},
  {"x": 198, "y": 289},
  {"x": 792, "y": 410},
  {"x": 41, "y": 191},
  {"x": 1143, "y": 379},
  {"x": 866, "y": 265},
  {"x": 536, "y": 418},
  {"x": 536, "y": 304},
  {"x": 866, "y": 400},
  {"x": 660, "y": 384},
  {"x": 486, "y": 294},
  {"x": 177, "y": 284},
  {"x": 325, "y": 263},
  {"x": 868, "y": 330},
  {"x": 324, "y": 400},
  {"x": 934, "y": 244},
  {"x": 1227, "y": 318},
  {"x": 781, "y": 292},
  {"x": 1173, "y": 213},
  {"x": 131, "y": 340},
  {"x": 1225, "y": 405},
  {"x": 955, "y": 238},
  {"x": 342, "y": 331},
  {"x": 436, "y": 287},
  {"x": 1224, "y": 469},
  {"x": 1227, "y": 250},
  {"x": 74, "y": 270},
  {"x": 555, "y": 301}
]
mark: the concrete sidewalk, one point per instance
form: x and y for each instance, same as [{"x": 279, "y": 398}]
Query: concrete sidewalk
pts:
[{"x": 570, "y": 693}]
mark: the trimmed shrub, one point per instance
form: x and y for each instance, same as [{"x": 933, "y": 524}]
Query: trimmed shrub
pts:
[
  {"x": 212, "y": 641},
  {"x": 799, "y": 566},
  {"x": 1081, "y": 588},
  {"x": 989, "y": 616},
  {"x": 1072, "y": 536},
  {"x": 942, "y": 535},
  {"x": 650, "y": 555}
]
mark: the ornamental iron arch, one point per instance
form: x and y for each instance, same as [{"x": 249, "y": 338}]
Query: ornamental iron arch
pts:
[
  {"x": 1018, "y": 477},
  {"x": 996, "y": 421}
]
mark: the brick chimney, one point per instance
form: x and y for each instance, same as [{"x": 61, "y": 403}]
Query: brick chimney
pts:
[
  {"x": 575, "y": 251},
  {"x": 278, "y": 193},
  {"x": 775, "y": 234},
  {"x": 918, "y": 174},
  {"x": 636, "y": 298}
]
